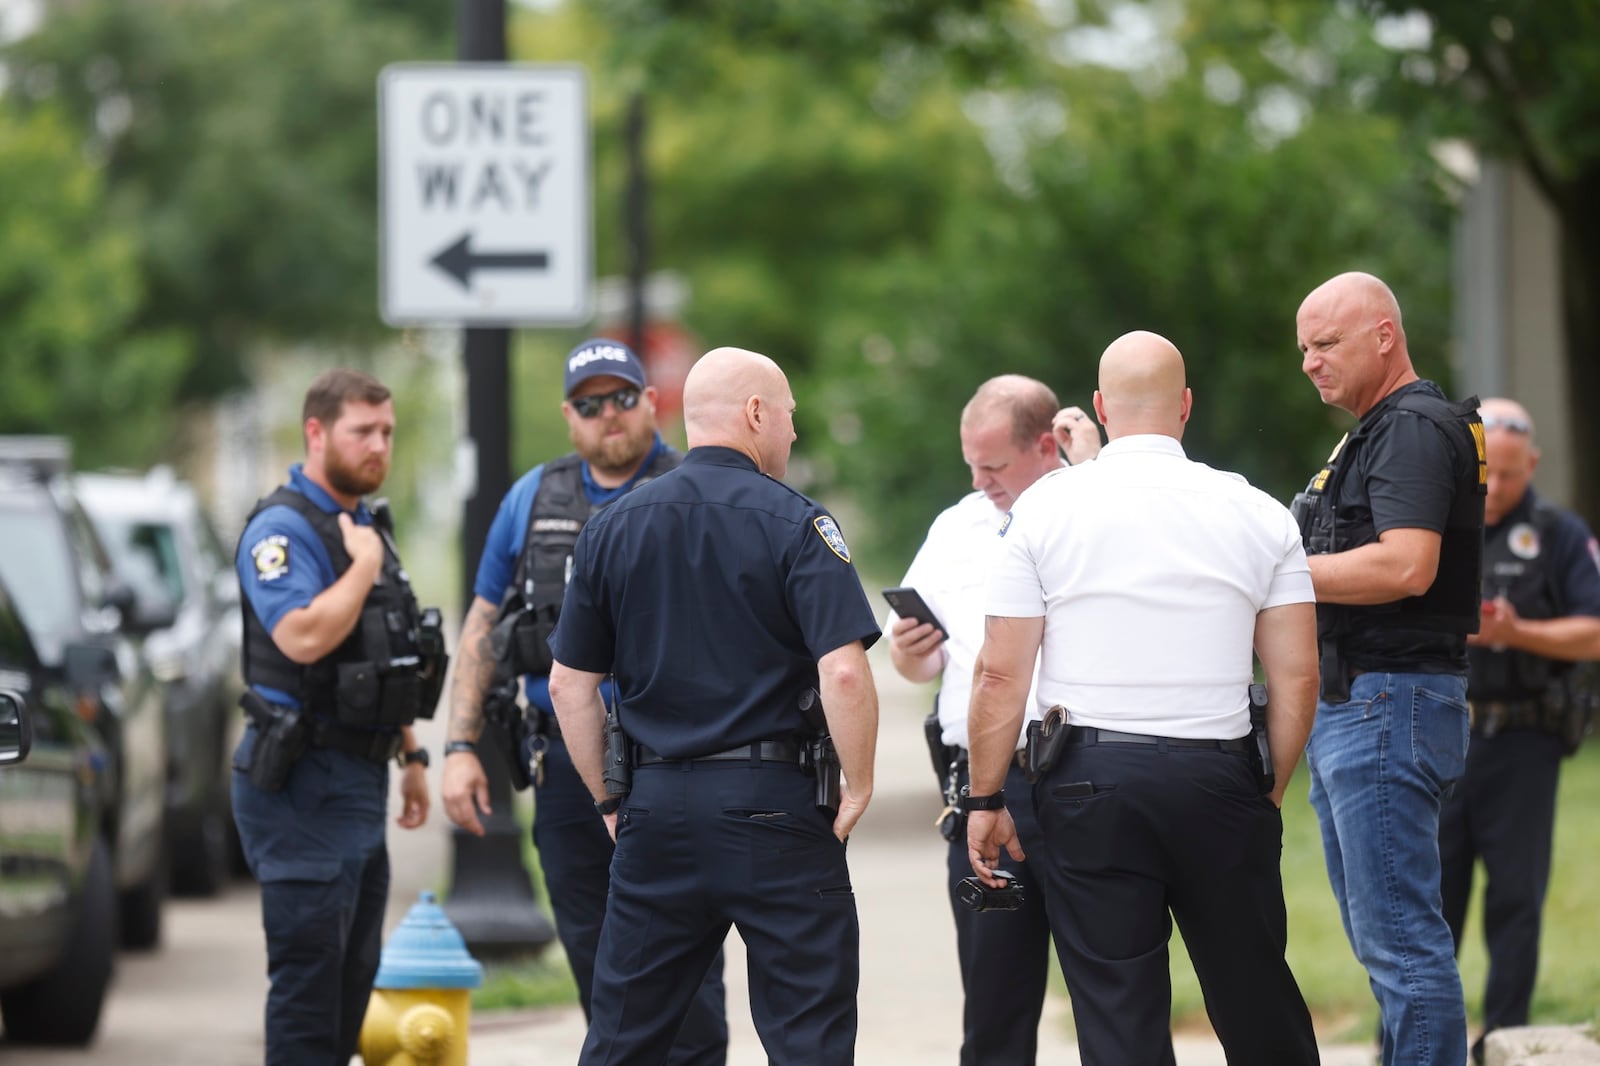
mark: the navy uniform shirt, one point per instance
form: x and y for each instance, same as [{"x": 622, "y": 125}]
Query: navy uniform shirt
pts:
[{"x": 711, "y": 593}]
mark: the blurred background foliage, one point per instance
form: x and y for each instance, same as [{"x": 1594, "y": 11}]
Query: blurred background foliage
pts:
[{"x": 894, "y": 199}]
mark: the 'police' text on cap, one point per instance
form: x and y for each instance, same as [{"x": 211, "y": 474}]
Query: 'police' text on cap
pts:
[{"x": 602, "y": 356}]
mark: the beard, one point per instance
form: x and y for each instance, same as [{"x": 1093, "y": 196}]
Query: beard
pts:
[
  {"x": 353, "y": 480},
  {"x": 619, "y": 456}
]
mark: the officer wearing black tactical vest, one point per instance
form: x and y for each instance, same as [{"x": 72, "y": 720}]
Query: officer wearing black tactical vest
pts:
[
  {"x": 1393, "y": 528},
  {"x": 522, "y": 576},
  {"x": 1532, "y": 694},
  {"x": 339, "y": 661}
]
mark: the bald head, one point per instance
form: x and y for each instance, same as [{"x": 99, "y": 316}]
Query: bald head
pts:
[
  {"x": 1511, "y": 454},
  {"x": 740, "y": 399},
  {"x": 1142, "y": 387},
  {"x": 1352, "y": 342}
]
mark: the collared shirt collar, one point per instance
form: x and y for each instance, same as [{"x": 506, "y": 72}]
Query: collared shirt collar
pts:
[
  {"x": 1144, "y": 443},
  {"x": 717, "y": 455}
]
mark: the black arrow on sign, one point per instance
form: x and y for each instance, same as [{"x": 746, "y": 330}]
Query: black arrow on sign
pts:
[{"x": 459, "y": 261}]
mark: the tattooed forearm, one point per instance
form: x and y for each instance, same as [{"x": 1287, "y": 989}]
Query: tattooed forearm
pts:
[{"x": 474, "y": 669}]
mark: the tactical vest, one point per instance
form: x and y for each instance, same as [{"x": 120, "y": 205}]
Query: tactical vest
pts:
[
  {"x": 1524, "y": 579},
  {"x": 379, "y": 677},
  {"x": 1450, "y": 605},
  {"x": 557, "y": 515}
]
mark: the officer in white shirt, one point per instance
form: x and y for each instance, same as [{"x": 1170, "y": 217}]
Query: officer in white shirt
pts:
[
  {"x": 1010, "y": 434},
  {"x": 1147, "y": 579}
]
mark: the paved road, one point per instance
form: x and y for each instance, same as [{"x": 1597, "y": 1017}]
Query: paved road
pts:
[{"x": 197, "y": 1002}]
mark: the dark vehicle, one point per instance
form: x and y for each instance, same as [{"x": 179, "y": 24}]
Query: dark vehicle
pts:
[
  {"x": 57, "y": 898},
  {"x": 163, "y": 545},
  {"x": 80, "y": 617}
]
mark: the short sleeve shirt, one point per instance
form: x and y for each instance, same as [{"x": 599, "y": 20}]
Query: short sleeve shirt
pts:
[
  {"x": 710, "y": 593},
  {"x": 1149, "y": 570},
  {"x": 951, "y": 571}
]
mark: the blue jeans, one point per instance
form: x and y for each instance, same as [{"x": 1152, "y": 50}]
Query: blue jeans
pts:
[{"x": 1381, "y": 764}]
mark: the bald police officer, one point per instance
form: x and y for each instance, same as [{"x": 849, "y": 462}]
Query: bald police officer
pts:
[{"x": 721, "y": 601}]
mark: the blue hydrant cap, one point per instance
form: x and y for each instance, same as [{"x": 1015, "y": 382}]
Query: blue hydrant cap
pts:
[{"x": 426, "y": 951}]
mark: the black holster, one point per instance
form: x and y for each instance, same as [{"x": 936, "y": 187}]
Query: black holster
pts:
[
  {"x": 502, "y": 714},
  {"x": 939, "y": 753},
  {"x": 618, "y": 771},
  {"x": 1045, "y": 740},
  {"x": 821, "y": 758},
  {"x": 1261, "y": 751},
  {"x": 282, "y": 736},
  {"x": 1335, "y": 672}
]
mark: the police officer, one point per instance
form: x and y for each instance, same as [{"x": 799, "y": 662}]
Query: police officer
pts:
[
  {"x": 339, "y": 661},
  {"x": 721, "y": 601},
  {"x": 1393, "y": 528},
  {"x": 610, "y": 415},
  {"x": 1010, "y": 431},
  {"x": 1147, "y": 579},
  {"x": 1540, "y": 614}
]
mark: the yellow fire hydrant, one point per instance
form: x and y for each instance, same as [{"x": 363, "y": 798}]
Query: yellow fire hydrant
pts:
[{"x": 421, "y": 1002}]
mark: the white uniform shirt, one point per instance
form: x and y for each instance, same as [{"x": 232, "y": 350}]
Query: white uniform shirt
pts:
[
  {"x": 1149, "y": 570},
  {"x": 951, "y": 571}
]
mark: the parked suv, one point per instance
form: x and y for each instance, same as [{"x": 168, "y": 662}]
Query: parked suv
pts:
[
  {"x": 163, "y": 545},
  {"x": 57, "y": 897},
  {"x": 81, "y": 617}
]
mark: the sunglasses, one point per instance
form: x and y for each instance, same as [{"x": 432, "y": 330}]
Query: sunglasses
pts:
[
  {"x": 626, "y": 399},
  {"x": 1510, "y": 425}
]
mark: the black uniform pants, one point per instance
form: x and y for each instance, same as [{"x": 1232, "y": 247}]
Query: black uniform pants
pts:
[
  {"x": 1004, "y": 955},
  {"x": 1161, "y": 834},
  {"x": 1503, "y": 811},
  {"x": 575, "y": 854},
  {"x": 700, "y": 847}
]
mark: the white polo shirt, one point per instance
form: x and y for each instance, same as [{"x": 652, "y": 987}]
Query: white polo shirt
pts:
[
  {"x": 951, "y": 571},
  {"x": 1149, "y": 571}
]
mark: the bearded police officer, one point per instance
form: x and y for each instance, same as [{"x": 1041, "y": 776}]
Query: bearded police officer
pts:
[
  {"x": 1393, "y": 528},
  {"x": 1540, "y": 615},
  {"x": 1010, "y": 432},
  {"x": 611, "y": 417},
  {"x": 723, "y": 601},
  {"x": 339, "y": 662}
]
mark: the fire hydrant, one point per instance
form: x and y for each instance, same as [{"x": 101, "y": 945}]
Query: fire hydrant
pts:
[{"x": 421, "y": 1005}]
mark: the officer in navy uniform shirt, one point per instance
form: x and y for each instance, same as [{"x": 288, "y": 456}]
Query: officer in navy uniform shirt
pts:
[
  {"x": 312, "y": 569},
  {"x": 1540, "y": 614},
  {"x": 718, "y": 597}
]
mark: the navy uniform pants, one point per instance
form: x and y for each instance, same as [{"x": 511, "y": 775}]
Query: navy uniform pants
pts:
[
  {"x": 705, "y": 846},
  {"x": 575, "y": 853},
  {"x": 1135, "y": 836},
  {"x": 1004, "y": 955},
  {"x": 317, "y": 849},
  {"x": 1503, "y": 811}
]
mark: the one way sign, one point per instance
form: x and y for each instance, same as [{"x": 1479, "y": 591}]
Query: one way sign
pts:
[{"x": 486, "y": 214}]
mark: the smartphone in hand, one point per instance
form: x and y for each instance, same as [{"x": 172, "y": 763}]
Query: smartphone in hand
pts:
[{"x": 908, "y": 603}]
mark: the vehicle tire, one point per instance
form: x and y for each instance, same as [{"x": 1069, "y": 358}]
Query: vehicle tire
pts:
[
  {"x": 201, "y": 861},
  {"x": 139, "y": 910},
  {"x": 63, "y": 1005}
]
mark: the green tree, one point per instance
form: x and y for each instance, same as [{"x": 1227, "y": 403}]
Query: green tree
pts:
[{"x": 73, "y": 362}]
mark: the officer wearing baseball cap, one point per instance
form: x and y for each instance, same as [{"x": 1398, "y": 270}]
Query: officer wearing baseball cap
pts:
[{"x": 527, "y": 558}]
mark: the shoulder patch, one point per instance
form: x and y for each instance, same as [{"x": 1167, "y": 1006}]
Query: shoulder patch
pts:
[
  {"x": 829, "y": 530},
  {"x": 1005, "y": 523},
  {"x": 271, "y": 556}
]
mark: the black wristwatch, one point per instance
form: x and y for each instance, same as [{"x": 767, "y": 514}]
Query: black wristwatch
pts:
[
  {"x": 453, "y": 746},
  {"x": 969, "y": 802},
  {"x": 418, "y": 756},
  {"x": 609, "y": 805}
]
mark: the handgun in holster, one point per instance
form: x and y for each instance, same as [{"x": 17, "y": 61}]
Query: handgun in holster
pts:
[
  {"x": 505, "y": 716},
  {"x": 1044, "y": 742},
  {"x": 1261, "y": 753},
  {"x": 618, "y": 771},
  {"x": 282, "y": 736},
  {"x": 821, "y": 758}
]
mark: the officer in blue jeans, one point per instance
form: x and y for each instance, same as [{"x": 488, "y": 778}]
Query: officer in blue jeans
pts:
[
  {"x": 1393, "y": 528},
  {"x": 611, "y": 417},
  {"x": 720, "y": 599},
  {"x": 339, "y": 661}
]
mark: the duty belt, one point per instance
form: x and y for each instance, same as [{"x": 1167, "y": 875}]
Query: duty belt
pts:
[
  {"x": 377, "y": 745},
  {"x": 1491, "y": 716},
  {"x": 543, "y": 723},
  {"x": 784, "y": 751},
  {"x": 1084, "y": 735}
]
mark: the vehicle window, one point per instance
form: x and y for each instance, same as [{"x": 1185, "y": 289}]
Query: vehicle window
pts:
[
  {"x": 37, "y": 567},
  {"x": 89, "y": 554},
  {"x": 147, "y": 555},
  {"x": 15, "y": 654}
]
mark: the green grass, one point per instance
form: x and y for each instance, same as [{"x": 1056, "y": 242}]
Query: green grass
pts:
[{"x": 1335, "y": 985}]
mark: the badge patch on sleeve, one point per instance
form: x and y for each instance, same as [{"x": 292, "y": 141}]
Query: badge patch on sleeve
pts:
[
  {"x": 271, "y": 556},
  {"x": 829, "y": 529}
]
